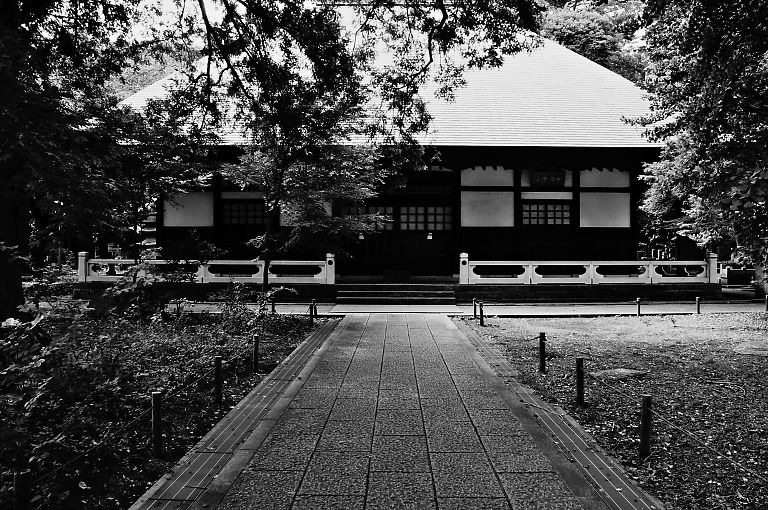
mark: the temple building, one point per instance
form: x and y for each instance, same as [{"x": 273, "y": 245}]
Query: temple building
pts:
[{"x": 536, "y": 162}]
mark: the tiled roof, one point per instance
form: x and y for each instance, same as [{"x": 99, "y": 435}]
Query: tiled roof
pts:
[{"x": 550, "y": 97}]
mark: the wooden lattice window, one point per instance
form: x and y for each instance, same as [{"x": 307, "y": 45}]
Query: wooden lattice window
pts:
[
  {"x": 546, "y": 213},
  {"x": 243, "y": 212},
  {"x": 426, "y": 218}
]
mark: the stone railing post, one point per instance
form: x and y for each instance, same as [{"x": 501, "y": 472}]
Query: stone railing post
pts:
[
  {"x": 82, "y": 266},
  {"x": 714, "y": 277},
  {"x": 330, "y": 269},
  {"x": 463, "y": 269},
  {"x": 201, "y": 270}
]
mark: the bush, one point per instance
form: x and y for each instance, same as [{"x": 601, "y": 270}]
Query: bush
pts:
[{"x": 74, "y": 393}]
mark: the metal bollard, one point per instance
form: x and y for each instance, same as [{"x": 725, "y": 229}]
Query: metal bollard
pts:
[
  {"x": 314, "y": 308},
  {"x": 255, "y": 354},
  {"x": 542, "y": 353},
  {"x": 217, "y": 381},
  {"x": 21, "y": 488},
  {"x": 273, "y": 306},
  {"x": 698, "y": 305},
  {"x": 311, "y": 317},
  {"x": 474, "y": 308},
  {"x": 157, "y": 423},
  {"x": 580, "y": 382},
  {"x": 482, "y": 315},
  {"x": 645, "y": 427},
  {"x": 638, "y": 306},
  {"x": 766, "y": 302}
]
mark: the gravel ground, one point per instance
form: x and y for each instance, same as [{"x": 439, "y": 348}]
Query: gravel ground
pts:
[{"x": 710, "y": 430}]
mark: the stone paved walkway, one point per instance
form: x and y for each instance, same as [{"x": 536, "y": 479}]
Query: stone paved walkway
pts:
[{"x": 401, "y": 412}]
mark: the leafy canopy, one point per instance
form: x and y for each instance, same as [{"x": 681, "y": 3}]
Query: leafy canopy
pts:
[
  {"x": 289, "y": 71},
  {"x": 605, "y": 34},
  {"x": 328, "y": 96},
  {"x": 709, "y": 77}
]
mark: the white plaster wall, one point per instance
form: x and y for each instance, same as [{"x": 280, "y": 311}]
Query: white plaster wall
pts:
[
  {"x": 487, "y": 176},
  {"x": 604, "y": 178},
  {"x": 525, "y": 178},
  {"x": 194, "y": 209},
  {"x": 487, "y": 209},
  {"x": 604, "y": 209}
]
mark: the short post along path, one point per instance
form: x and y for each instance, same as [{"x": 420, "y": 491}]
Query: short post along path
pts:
[{"x": 401, "y": 411}]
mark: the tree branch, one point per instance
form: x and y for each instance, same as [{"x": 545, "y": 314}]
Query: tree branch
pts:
[
  {"x": 430, "y": 42},
  {"x": 211, "y": 33}
]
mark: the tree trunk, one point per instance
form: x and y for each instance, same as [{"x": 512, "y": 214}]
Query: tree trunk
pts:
[
  {"x": 14, "y": 231},
  {"x": 273, "y": 219},
  {"x": 265, "y": 278},
  {"x": 14, "y": 217}
]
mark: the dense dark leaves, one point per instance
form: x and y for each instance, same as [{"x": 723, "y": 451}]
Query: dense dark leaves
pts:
[
  {"x": 327, "y": 97},
  {"x": 69, "y": 168},
  {"x": 48, "y": 74},
  {"x": 74, "y": 392},
  {"x": 709, "y": 76},
  {"x": 605, "y": 34}
]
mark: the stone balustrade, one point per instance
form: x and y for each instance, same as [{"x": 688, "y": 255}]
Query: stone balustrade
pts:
[
  {"x": 214, "y": 271},
  {"x": 647, "y": 272}
]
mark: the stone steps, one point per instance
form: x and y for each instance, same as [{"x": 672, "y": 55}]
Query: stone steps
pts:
[{"x": 391, "y": 294}]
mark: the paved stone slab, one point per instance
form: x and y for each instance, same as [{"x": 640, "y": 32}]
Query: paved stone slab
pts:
[
  {"x": 354, "y": 409},
  {"x": 400, "y": 490},
  {"x": 253, "y": 488},
  {"x": 400, "y": 453},
  {"x": 454, "y": 442},
  {"x": 450, "y": 427},
  {"x": 399, "y": 422},
  {"x": 472, "y": 504},
  {"x": 313, "y": 398},
  {"x": 452, "y": 484},
  {"x": 544, "y": 491},
  {"x": 335, "y": 502},
  {"x": 334, "y": 473},
  {"x": 495, "y": 422},
  {"x": 460, "y": 463},
  {"x": 515, "y": 454},
  {"x": 285, "y": 452}
]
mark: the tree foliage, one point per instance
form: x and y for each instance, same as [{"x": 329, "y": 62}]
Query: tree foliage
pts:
[
  {"x": 709, "y": 78},
  {"x": 74, "y": 390},
  {"x": 327, "y": 98},
  {"x": 605, "y": 34},
  {"x": 68, "y": 161},
  {"x": 53, "y": 57}
]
